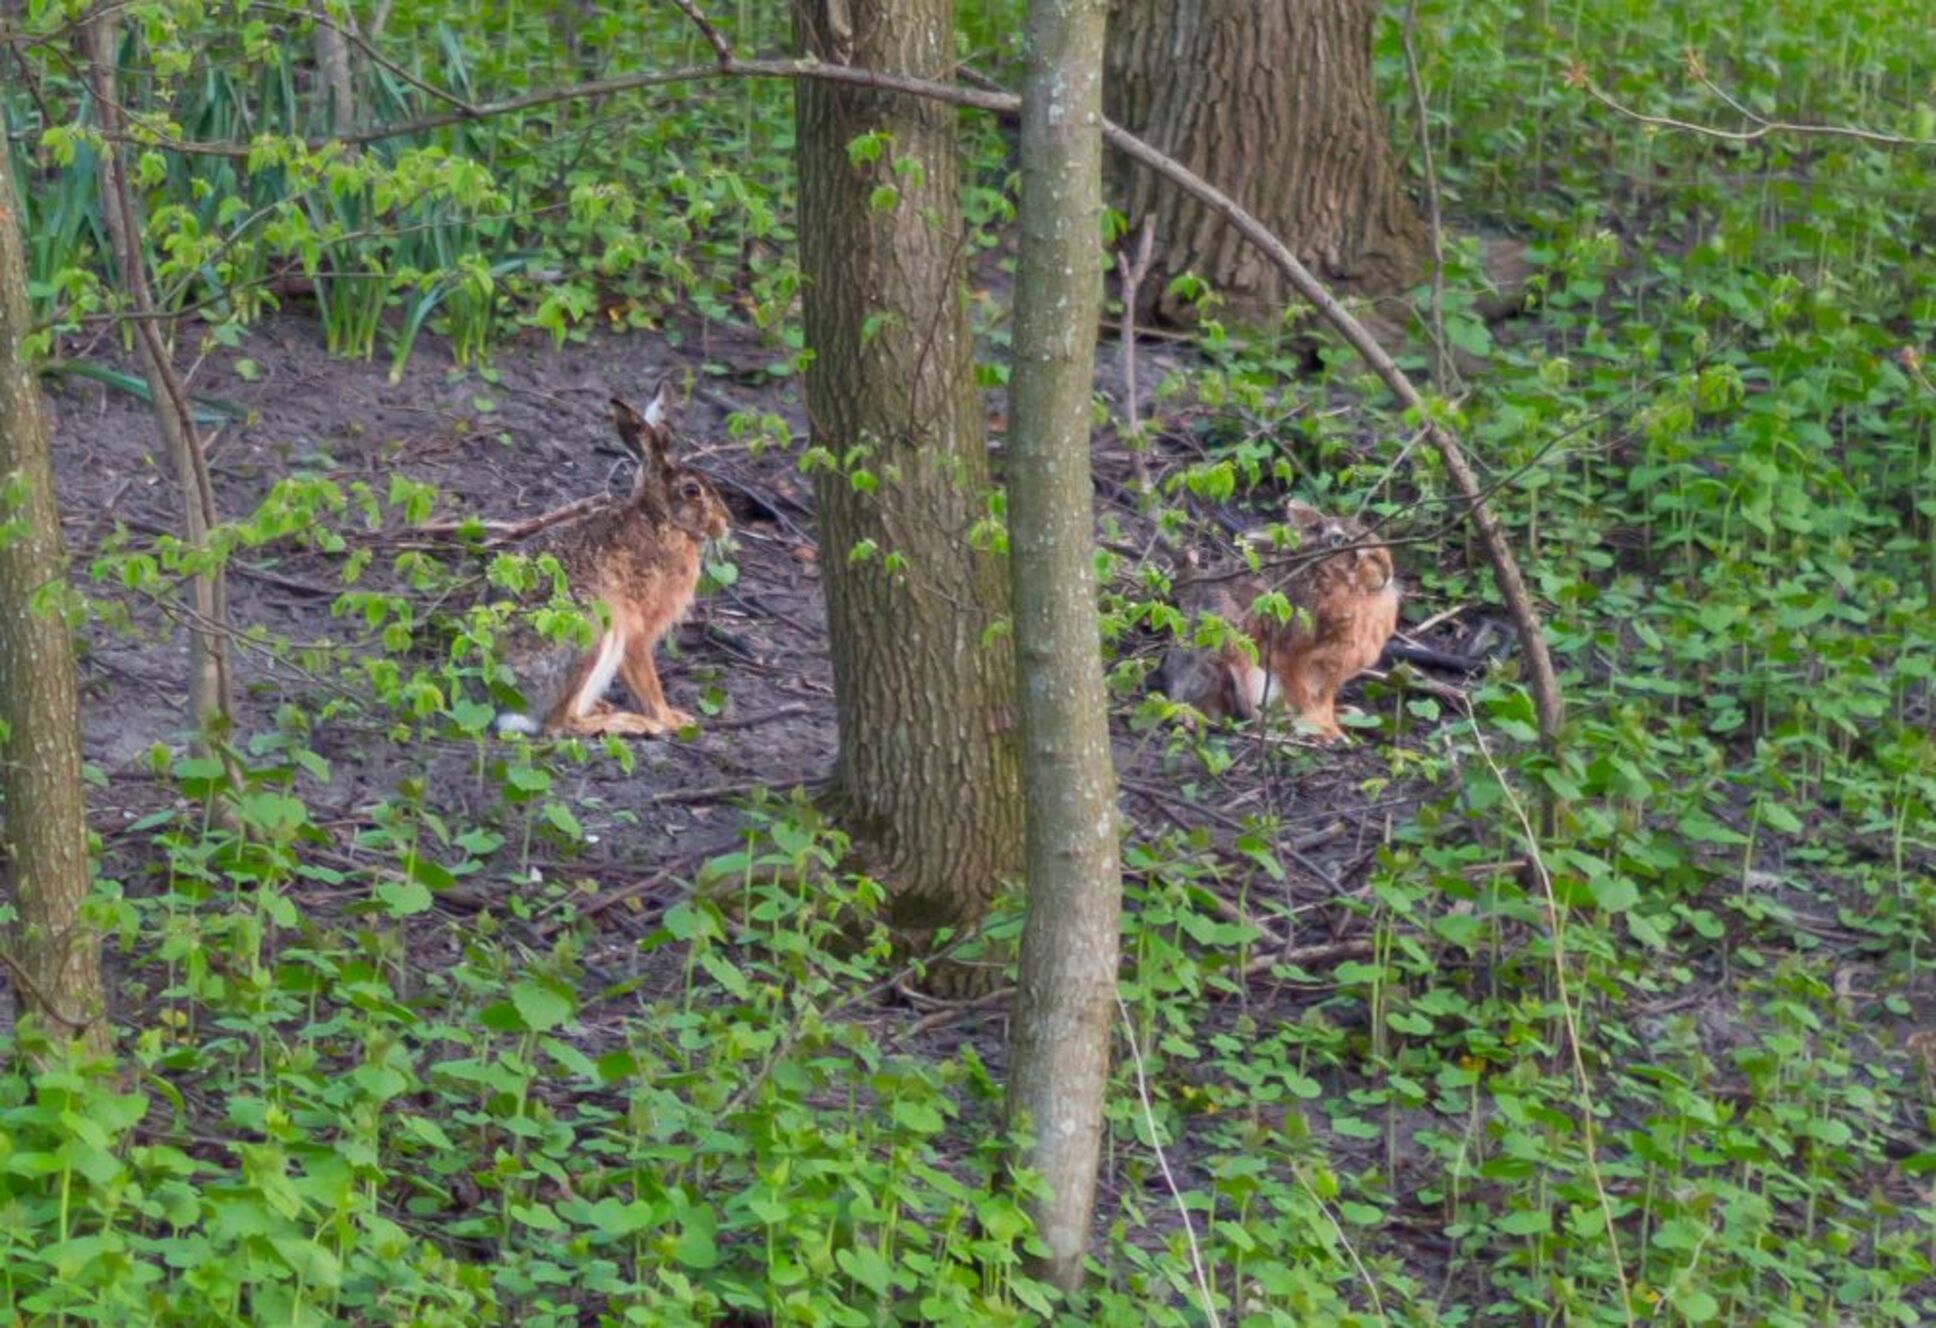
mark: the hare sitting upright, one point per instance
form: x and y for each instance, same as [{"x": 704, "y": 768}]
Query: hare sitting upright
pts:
[
  {"x": 1344, "y": 607},
  {"x": 639, "y": 561}
]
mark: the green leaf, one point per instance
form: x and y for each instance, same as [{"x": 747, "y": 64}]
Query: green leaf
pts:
[
  {"x": 1679, "y": 1233},
  {"x": 614, "y": 1218},
  {"x": 1615, "y": 894},
  {"x": 1527, "y": 1222},
  {"x": 312, "y": 1262},
  {"x": 1361, "y": 1214},
  {"x": 540, "y": 1005},
  {"x": 561, "y": 816},
  {"x": 429, "y": 1132},
  {"x": 867, "y": 1267},
  {"x": 920, "y": 1117},
  {"x": 696, "y": 1247},
  {"x": 403, "y": 899},
  {"x": 537, "y": 1216},
  {"x": 1694, "y": 1304},
  {"x": 472, "y": 716},
  {"x": 1704, "y": 829}
]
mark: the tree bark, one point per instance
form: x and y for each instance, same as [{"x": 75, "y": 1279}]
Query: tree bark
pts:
[
  {"x": 333, "y": 70},
  {"x": 1273, "y": 101},
  {"x": 55, "y": 966},
  {"x": 210, "y": 690},
  {"x": 1065, "y": 1003},
  {"x": 926, "y": 773}
]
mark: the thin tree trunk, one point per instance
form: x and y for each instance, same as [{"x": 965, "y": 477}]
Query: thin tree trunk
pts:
[
  {"x": 926, "y": 774},
  {"x": 1065, "y": 1002},
  {"x": 210, "y": 692},
  {"x": 55, "y": 966},
  {"x": 1273, "y": 100},
  {"x": 333, "y": 68}
]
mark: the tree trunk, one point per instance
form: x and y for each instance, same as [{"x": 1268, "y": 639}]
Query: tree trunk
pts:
[
  {"x": 1066, "y": 1001},
  {"x": 1273, "y": 102},
  {"x": 55, "y": 967},
  {"x": 210, "y": 691},
  {"x": 333, "y": 70},
  {"x": 926, "y": 774}
]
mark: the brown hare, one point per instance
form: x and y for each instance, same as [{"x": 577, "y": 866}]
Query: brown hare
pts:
[
  {"x": 1344, "y": 607},
  {"x": 639, "y": 561}
]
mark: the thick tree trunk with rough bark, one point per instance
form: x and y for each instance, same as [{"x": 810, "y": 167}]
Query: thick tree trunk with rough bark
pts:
[
  {"x": 1066, "y": 1001},
  {"x": 926, "y": 774},
  {"x": 1271, "y": 101},
  {"x": 54, "y": 961}
]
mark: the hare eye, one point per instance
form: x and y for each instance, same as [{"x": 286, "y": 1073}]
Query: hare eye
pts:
[{"x": 690, "y": 489}]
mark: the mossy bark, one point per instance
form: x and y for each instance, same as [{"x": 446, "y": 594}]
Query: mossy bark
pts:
[
  {"x": 1066, "y": 1002},
  {"x": 53, "y": 957},
  {"x": 1272, "y": 101},
  {"x": 923, "y": 684}
]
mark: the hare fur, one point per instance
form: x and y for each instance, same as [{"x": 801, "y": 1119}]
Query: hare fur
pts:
[
  {"x": 1344, "y": 610},
  {"x": 638, "y": 562}
]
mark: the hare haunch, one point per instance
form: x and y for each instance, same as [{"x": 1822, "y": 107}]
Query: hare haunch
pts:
[
  {"x": 639, "y": 560},
  {"x": 1344, "y": 608}
]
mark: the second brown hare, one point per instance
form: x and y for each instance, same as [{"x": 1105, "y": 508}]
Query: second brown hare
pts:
[
  {"x": 638, "y": 562},
  {"x": 1344, "y": 608}
]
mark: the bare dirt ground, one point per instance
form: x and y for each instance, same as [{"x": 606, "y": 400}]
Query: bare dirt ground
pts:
[{"x": 537, "y": 438}]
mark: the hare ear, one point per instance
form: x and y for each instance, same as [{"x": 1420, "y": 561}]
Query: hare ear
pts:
[
  {"x": 656, "y": 409},
  {"x": 645, "y": 436}
]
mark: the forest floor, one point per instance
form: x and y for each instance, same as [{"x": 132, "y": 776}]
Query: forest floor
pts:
[{"x": 537, "y": 436}]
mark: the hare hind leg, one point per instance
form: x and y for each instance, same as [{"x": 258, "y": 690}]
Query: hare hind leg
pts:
[
  {"x": 583, "y": 709},
  {"x": 1311, "y": 680},
  {"x": 642, "y": 678}
]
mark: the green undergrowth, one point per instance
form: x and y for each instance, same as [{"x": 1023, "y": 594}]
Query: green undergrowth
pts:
[
  {"x": 358, "y": 1095},
  {"x": 413, "y": 1083}
]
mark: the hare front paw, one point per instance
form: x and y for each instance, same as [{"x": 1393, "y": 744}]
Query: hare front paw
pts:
[
  {"x": 625, "y": 722},
  {"x": 675, "y": 720},
  {"x": 605, "y": 718}
]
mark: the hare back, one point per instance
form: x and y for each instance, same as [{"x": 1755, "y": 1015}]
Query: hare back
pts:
[
  {"x": 644, "y": 573},
  {"x": 1344, "y": 611},
  {"x": 1341, "y": 597},
  {"x": 651, "y": 589},
  {"x": 641, "y": 567}
]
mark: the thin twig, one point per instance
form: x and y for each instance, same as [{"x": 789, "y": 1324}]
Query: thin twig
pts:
[
  {"x": 37, "y": 1000},
  {"x": 1569, "y": 1017},
  {"x": 1308, "y": 954},
  {"x": 1337, "y": 1228},
  {"x": 211, "y": 689},
  {"x": 713, "y": 36},
  {"x": 1578, "y": 77},
  {"x": 1130, "y": 272},
  {"x": 1163, "y": 1164}
]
